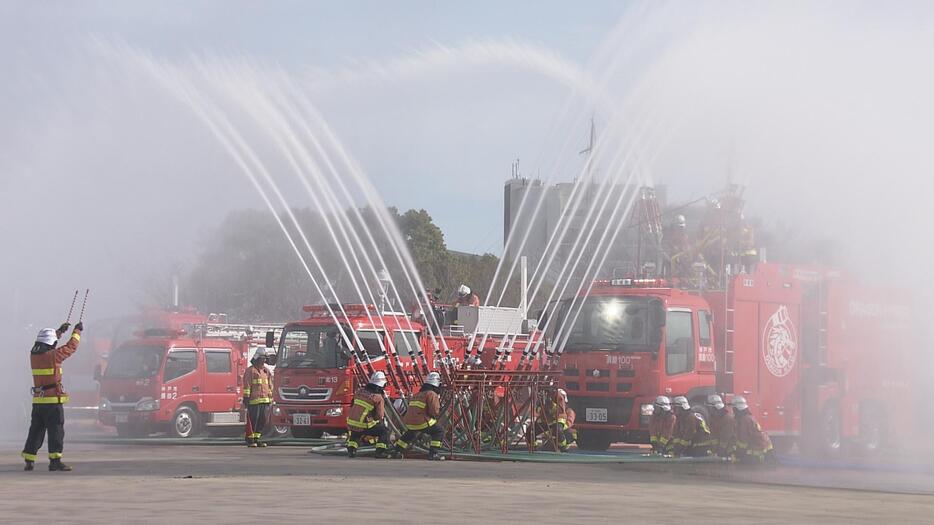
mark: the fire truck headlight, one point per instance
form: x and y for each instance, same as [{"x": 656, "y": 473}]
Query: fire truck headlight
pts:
[
  {"x": 147, "y": 404},
  {"x": 647, "y": 409},
  {"x": 334, "y": 412},
  {"x": 105, "y": 404},
  {"x": 276, "y": 411}
]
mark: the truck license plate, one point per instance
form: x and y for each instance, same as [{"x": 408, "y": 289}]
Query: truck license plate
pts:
[
  {"x": 301, "y": 420},
  {"x": 595, "y": 415},
  {"x": 121, "y": 418}
]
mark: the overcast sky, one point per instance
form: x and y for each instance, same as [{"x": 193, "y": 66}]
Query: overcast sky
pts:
[{"x": 822, "y": 109}]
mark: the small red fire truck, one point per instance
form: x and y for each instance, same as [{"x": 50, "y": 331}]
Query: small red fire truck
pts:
[{"x": 179, "y": 380}]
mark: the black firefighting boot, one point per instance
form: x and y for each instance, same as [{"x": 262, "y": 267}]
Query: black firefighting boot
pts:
[
  {"x": 397, "y": 452},
  {"x": 30, "y": 465},
  {"x": 57, "y": 465},
  {"x": 433, "y": 455},
  {"x": 351, "y": 452},
  {"x": 261, "y": 444},
  {"x": 381, "y": 453}
]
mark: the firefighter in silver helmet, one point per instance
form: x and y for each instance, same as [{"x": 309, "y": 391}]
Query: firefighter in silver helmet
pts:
[
  {"x": 365, "y": 417},
  {"x": 422, "y": 415}
]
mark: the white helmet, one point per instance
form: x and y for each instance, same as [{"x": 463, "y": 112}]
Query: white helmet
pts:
[
  {"x": 663, "y": 403},
  {"x": 739, "y": 403},
  {"x": 682, "y": 402},
  {"x": 47, "y": 336},
  {"x": 378, "y": 379},
  {"x": 681, "y": 221},
  {"x": 714, "y": 400},
  {"x": 433, "y": 379},
  {"x": 463, "y": 290},
  {"x": 563, "y": 393}
]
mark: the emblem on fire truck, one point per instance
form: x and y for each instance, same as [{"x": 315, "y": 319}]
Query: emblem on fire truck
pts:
[{"x": 780, "y": 343}]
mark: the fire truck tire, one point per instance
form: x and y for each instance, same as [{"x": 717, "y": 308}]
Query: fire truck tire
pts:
[
  {"x": 871, "y": 428},
  {"x": 184, "y": 423},
  {"x": 276, "y": 431},
  {"x": 594, "y": 440},
  {"x": 307, "y": 433}
]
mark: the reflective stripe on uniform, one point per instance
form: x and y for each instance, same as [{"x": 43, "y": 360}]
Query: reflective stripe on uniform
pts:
[
  {"x": 381, "y": 445},
  {"x": 76, "y": 336},
  {"x": 401, "y": 444},
  {"x": 54, "y": 400},
  {"x": 434, "y": 444},
  {"x": 246, "y": 391},
  {"x": 352, "y": 444},
  {"x": 260, "y": 381},
  {"x": 29, "y": 457},
  {"x": 45, "y": 371},
  {"x": 260, "y": 400},
  {"x": 362, "y": 422},
  {"x": 55, "y": 455},
  {"x": 419, "y": 404},
  {"x": 422, "y": 426}
]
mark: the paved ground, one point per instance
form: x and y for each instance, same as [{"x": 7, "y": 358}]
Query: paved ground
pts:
[{"x": 209, "y": 484}]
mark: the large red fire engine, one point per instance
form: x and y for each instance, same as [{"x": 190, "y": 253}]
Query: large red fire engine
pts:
[
  {"x": 316, "y": 374},
  {"x": 180, "y": 380},
  {"x": 817, "y": 356}
]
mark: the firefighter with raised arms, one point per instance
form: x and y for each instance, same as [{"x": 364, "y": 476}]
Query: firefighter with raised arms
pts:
[
  {"x": 366, "y": 417},
  {"x": 662, "y": 426},
  {"x": 257, "y": 397},
  {"x": 48, "y": 395},
  {"x": 422, "y": 416}
]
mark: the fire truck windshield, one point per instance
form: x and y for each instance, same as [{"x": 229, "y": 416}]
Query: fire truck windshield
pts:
[
  {"x": 322, "y": 347},
  {"x": 619, "y": 324},
  {"x": 134, "y": 362}
]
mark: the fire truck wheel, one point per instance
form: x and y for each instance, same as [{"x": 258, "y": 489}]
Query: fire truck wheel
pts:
[
  {"x": 593, "y": 440},
  {"x": 276, "y": 431},
  {"x": 306, "y": 433},
  {"x": 871, "y": 428},
  {"x": 184, "y": 423}
]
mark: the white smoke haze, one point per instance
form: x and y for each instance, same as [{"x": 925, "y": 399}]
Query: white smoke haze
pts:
[{"x": 822, "y": 110}]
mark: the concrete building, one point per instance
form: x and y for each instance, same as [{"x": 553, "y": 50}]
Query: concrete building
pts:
[{"x": 624, "y": 247}]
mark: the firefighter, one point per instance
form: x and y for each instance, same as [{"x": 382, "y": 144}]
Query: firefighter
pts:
[
  {"x": 48, "y": 395},
  {"x": 465, "y": 297},
  {"x": 662, "y": 426},
  {"x": 692, "y": 436},
  {"x": 677, "y": 246},
  {"x": 257, "y": 397},
  {"x": 753, "y": 446},
  {"x": 366, "y": 417},
  {"x": 555, "y": 418},
  {"x": 422, "y": 416},
  {"x": 722, "y": 427},
  {"x": 570, "y": 433}
]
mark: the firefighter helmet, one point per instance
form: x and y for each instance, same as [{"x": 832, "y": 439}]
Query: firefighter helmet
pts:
[
  {"x": 47, "y": 336},
  {"x": 663, "y": 403},
  {"x": 378, "y": 379},
  {"x": 739, "y": 403},
  {"x": 680, "y": 221},
  {"x": 682, "y": 402},
  {"x": 563, "y": 393},
  {"x": 714, "y": 400},
  {"x": 433, "y": 379},
  {"x": 463, "y": 290},
  {"x": 259, "y": 354}
]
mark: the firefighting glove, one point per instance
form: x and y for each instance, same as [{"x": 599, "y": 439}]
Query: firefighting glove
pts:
[
  {"x": 62, "y": 329},
  {"x": 79, "y": 327},
  {"x": 246, "y": 401}
]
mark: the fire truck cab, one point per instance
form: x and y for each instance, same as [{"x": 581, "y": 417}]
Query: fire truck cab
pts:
[{"x": 177, "y": 381}]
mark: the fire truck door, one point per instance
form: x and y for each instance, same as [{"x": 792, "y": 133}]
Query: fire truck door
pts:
[
  {"x": 779, "y": 366},
  {"x": 182, "y": 376},
  {"x": 220, "y": 381}
]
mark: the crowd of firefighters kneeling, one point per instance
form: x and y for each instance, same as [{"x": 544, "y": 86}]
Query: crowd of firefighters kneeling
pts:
[{"x": 675, "y": 428}]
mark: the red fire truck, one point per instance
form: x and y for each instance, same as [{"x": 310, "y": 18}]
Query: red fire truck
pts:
[
  {"x": 816, "y": 356},
  {"x": 178, "y": 380},
  {"x": 315, "y": 378}
]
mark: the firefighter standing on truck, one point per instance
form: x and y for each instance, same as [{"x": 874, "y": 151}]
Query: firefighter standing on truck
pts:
[
  {"x": 722, "y": 427},
  {"x": 465, "y": 297},
  {"x": 366, "y": 417},
  {"x": 753, "y": 446},
  {"x": 48, "y": 395},
  {"x": 692, "y": 435},
  {"x": 257, "y": 396},
  {"x": 662, "y": 426},
  {"x": 422, "y": 416}
]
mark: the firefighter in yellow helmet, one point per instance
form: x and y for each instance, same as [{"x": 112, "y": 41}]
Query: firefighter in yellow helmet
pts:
[
  {"x": 48, "y": 395},
  {"x": 366, "y": 417},
  {"x": 257, "y": 397},
  {"x": 422, "y": 416}
]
